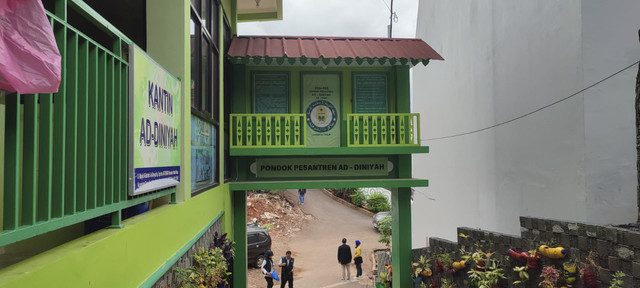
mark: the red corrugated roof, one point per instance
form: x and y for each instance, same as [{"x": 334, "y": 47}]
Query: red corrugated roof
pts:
[{"x": 361, "y": 49}]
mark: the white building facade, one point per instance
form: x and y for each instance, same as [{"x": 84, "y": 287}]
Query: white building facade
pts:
[{"x": 575, "y": 160}]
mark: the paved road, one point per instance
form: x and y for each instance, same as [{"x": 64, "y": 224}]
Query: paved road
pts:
[{"x": 315, "y": 247}]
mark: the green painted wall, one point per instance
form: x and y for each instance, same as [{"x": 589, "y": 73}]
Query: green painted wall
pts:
[
  {"x": 174, "y": 55},
  {"x": 229, "y": 7},
  {"x": 120, "y": 257},
  {"x": 243, "y": 99},
  {"x": 1, "y": 155},
  {"x": 127, "y": 257}
]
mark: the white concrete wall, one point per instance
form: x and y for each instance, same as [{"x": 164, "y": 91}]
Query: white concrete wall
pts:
[{"x": 574, "y": 160}]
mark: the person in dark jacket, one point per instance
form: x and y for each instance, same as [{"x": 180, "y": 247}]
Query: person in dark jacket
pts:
[
  {"x": 344, "y": 258},
  {"x": 287, "y": 270},
  {"x": 267, "y": 268}
]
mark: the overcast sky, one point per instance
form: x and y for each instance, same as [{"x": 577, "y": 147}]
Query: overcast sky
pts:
[{"x": 353, "y": 18}]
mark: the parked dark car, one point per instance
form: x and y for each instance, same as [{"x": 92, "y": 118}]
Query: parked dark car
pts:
[
  {"x": 258, "y": 242},
  {"x": 379, "y": 216}
]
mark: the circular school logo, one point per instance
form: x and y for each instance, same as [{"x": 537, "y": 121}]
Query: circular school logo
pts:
[{"x": 321, "y": 116}]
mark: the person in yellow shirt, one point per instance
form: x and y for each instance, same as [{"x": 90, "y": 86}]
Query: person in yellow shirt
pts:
[{"x": 357, "y": 259}]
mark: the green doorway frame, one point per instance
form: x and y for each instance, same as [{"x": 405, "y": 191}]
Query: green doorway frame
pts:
[{"x": 400, "y": 209}]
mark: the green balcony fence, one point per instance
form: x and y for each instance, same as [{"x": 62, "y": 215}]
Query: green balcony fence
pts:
[
  {"x": 65, "y": 154},
  {"x": 379, "y": 130},
  {"x": 268, "y": 130}
]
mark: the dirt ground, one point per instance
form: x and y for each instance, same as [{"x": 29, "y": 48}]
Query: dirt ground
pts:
[
  {"x": 313, "y": 232},
  {"x": 282, "y": 218}
]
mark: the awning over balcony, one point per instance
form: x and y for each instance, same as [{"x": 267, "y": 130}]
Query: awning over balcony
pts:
[{"x": 334, "y": 51}]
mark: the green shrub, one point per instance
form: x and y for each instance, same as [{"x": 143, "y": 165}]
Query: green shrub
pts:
[
  {"x": 337, "y": 192},
  {"x": 384, "y": 227},
  {"x": 377, "y": 202},
  {"x": 358, "y": 198}
]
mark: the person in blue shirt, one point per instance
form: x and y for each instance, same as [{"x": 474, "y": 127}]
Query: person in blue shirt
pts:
[{"x": 301, "y": 193}]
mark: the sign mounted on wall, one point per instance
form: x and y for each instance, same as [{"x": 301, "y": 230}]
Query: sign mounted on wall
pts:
[
  {"x": 321, "y": 104},
  {"x": 321, "y": 167},
  {"x": 154, "y": 123},
  {"x": 203, "y": 157}
]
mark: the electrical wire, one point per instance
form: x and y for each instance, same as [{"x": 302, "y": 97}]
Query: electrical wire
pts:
[
  {"x": 534, "y": 111},
  {"x": 385, "y": 4}
]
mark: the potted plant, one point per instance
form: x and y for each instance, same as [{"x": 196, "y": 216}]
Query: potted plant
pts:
[
  {"x": 226, "y": 245},
  {"x": 421, "y": 269},
  {"x": 569, "y": 272},
  {"x": 208, "y": 271},
  {"x": 488, "y": 277},
  {"x": 617, "y": 281},
  {"x": 523, "y": 275},
  {"x": 589, "y": 270},
  {"x": 550, "y": 275},
  {"x": 480, "y": 259},
  {"x": 533, "y": 259},
  {"x": 435, "y": 283},
  {"x": 385, "y": 279},
  {"x": 443, "y": 262},
  {"x": 448, "y": 283}
]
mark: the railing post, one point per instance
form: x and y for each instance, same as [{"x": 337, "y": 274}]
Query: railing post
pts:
[
  {"x": 61, "y": 9},
  {"x": 116, "y": 220},
  {"x": 12, "y": 162},
  {"x": 174, "y": 198}
]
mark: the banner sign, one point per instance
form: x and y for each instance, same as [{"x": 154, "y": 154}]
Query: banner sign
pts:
[
  {"x": 270, "y": 93},
  {"x": 321, "y": 103},
  {"x": 203, "y": 147},
  {"x": 370, "y": 92},
  {"x": 321, "y": 167},
  {"x": 154, "y": 113}
]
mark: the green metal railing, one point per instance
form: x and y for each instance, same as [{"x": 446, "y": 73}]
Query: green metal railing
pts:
[
  {"x": 268, "y": 130},
  {"x": 66, "y": 153},
  {"x": 392, "y": 129}
]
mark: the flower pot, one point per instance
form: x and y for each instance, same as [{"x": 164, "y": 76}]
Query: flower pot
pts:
[
  {"x": 533, "y": 261},
  {"x": 417, "y": 280},
  {"x": 380, "y": 285},
  {"x": 518, "y": 256},
  {"x": 439, "y": 267},
  {"x": 569, "y": 272},
  {"x": 589, "y": 278},
  {"x": 480, "y": 265},
  {"x": 435, "y": 283}
]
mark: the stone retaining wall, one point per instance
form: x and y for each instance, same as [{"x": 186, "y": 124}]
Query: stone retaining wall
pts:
[
  {"x": 169, "y": 279},
  {"x": 617, "y": 249}
]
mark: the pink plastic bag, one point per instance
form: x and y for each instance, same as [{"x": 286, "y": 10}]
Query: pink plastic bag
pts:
[{"x": 29, "y": 56}]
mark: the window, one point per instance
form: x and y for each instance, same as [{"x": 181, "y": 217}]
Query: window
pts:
[
  {"x": 228, "y": 95},
  {"x": 205, "y": 71}
]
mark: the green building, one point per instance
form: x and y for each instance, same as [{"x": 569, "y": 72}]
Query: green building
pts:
[{"x": 115, "y": 180}]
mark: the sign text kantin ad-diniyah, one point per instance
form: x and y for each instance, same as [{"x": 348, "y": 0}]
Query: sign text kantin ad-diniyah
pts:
[{"x": 154, "y": 100}]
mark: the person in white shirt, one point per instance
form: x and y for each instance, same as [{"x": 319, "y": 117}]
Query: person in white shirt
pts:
[
  {"x": 287, "y": 270},
  {"x": 267, "y": 268}
]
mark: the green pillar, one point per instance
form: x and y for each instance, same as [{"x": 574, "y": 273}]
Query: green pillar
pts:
[
  {"x": 403, "y": 89},
  {"x": 401, "y": 197},
  {"x": 240, "y": 237},
  {"x": 401, "y": 237}
]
